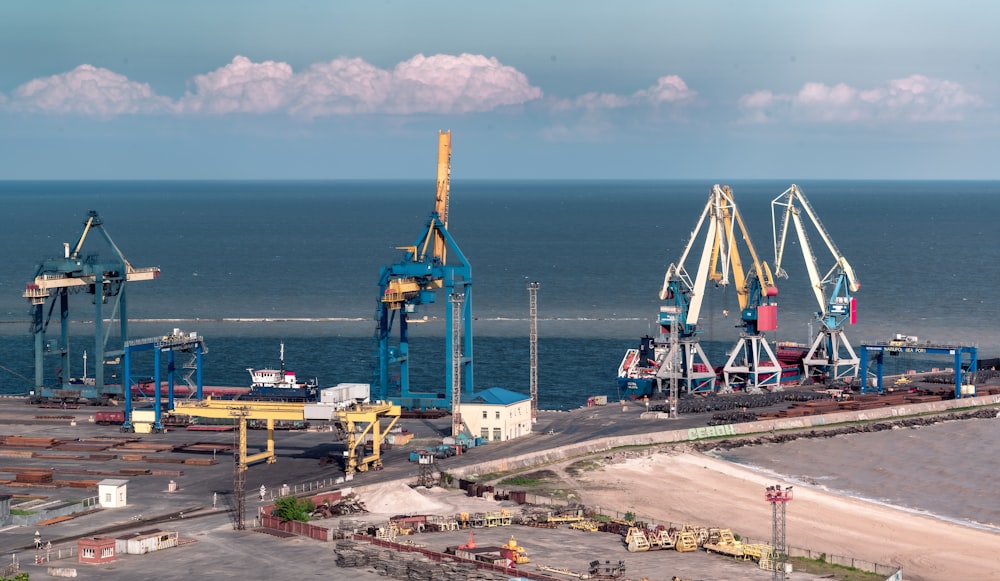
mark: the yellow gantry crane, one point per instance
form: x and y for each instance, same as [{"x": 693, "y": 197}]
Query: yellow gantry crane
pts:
[
  {"x": 241, "y": 412},
  {"x": 357, "y": 424}
]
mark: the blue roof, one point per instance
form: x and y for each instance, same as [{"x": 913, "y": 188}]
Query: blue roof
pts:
[{"x": 497, "y": 396}]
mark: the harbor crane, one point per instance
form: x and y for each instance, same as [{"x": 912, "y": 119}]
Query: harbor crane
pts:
[
  {"x": 685, "y": 360},
  {"x": 106, "y": 279},
  {"x": 830, "y": 355},
  {"x": 433, "y": 262},
  {"x": 751, "y": 362}
]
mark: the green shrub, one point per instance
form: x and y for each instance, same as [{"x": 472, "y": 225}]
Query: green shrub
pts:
[{"x": 292, "y": 508}]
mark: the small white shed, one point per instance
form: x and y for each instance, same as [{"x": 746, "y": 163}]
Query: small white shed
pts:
[{"x": 112, "y": 493}]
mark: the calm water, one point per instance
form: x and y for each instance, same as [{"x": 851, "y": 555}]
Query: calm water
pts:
[{"x": 946, "y": 469}]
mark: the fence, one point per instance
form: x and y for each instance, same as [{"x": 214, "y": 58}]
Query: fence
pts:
[
  {"x": 303, "y": 488},
  {"x": 891, "y": 571},
  {"x": 299, "y": 528}
]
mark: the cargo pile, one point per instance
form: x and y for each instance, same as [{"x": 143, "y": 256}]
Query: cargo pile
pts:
[{"x": 414, "y": 566}]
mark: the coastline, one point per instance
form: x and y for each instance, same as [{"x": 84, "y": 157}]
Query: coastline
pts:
[
  {"x": 799, "y": 482},
  {"x": 691, "y": 487}
]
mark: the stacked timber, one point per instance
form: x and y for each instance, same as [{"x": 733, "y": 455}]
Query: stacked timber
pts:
[
  {"x": 407, "y": 565},
  {"x": 33, "y": 476},
  {"x": 29, "y": 442},
  {"x": 84, "y": 446}
]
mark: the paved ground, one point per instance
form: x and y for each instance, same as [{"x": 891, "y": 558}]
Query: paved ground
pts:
[{"x": 221, "y": 552}]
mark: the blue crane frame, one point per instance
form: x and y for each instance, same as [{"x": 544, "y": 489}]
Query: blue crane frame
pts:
[
  {"x": 103, "y": 279},
  {"x": 880, "y": 349},
  {"x": 428, "y": 273},
  {"x": 158, "y": 344}
]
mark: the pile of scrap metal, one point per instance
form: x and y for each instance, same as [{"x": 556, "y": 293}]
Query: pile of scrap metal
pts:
[
  {"x": 409, "y": 524},
  {"x": 571, "y": 515},
  {"x": 346, "y": 505},
  {"x": 478, "y": 520},
  {"x": 606, "y": 570},
  {"x": 585, "y": 525},
  {"x": 437, "y": 523}
]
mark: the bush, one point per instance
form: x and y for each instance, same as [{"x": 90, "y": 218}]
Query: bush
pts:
[{"x": 292, "y": 508}]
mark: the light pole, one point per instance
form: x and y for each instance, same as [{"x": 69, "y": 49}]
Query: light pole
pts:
[{"x": 778, "y": 496}]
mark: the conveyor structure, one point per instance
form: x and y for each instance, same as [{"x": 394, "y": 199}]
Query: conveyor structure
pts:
[{"x": 106, "y": 279}]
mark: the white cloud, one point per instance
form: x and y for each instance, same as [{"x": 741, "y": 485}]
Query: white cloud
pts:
[
  {"x": 592, "y": 116},
  {"x": 438, "y": 84},
  {"x": 242, "y": 86},
  {"x": 87, "y": 90},
  {"x": 914, "y": 98},
  {"x": 669, "y": 90}
]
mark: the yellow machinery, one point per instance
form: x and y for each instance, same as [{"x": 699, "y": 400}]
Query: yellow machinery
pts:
[
  {"x": 243, "y": 411},
  {"x": 515, "y": 552},
  {"x": 357, "y": 423},
  {"x": 636, "y": 540}
]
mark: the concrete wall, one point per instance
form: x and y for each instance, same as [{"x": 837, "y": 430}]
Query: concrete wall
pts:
[
  {"x": 45, "y": 513},
  {"x": 694, "y": 434}
]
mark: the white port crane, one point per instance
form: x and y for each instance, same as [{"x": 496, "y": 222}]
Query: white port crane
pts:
[
  {"x": 751, "y": 363},
  {"x": 830, "y": 355}
]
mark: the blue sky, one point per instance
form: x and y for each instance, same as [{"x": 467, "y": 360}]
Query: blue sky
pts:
[{"x": 306, "y": 89}]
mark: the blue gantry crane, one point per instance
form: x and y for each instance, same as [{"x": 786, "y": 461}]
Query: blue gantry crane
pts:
[
  {"x": 434, "y": 262},
  {"x": 104, "y": 278},
  {"x": 190, "y": 343}
]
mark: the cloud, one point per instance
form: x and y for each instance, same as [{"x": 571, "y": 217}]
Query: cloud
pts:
[
  {"x": 438, "y": 84},
  {"x": 242, "y": 86},
  {"x": 592, "y": 116},
  {"x": 915, "y": 98},
  {"x": 668, "y": 90},
  {"x": 87, "y": 90}
]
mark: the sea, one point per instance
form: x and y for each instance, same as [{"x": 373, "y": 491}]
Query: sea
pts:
[{"x": 254, "y": 265}]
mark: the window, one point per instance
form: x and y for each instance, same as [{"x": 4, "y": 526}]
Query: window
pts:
[
  {"x": 107, "y": 552},
  {"x": 107, "y": 497},
  {"x": 497, "y": 434},
  {"x": 484, "y": 433},
  {"x": 498, "y": 414},
  {"x": 484, "y": 414},
  {"x": 88, "y": 553}
]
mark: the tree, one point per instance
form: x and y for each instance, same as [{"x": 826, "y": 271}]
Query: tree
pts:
[{"x": 292, "y": 508}]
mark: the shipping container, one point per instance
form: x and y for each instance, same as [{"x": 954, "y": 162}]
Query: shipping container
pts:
[{"x": 109, "y": 418}]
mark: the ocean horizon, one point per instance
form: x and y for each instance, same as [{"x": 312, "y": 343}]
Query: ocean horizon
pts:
[{"x": 251, "y": 265}]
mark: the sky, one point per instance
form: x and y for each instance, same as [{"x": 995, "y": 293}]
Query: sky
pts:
[{"x": 559, "y": 89}]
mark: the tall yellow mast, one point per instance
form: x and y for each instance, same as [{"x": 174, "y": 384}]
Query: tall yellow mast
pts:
[{"x": 443, "y": 192}]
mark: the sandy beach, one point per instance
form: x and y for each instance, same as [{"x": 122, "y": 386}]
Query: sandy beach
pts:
[{"x": 687, "y": 487}]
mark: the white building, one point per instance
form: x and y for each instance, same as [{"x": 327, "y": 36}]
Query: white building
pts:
[
  {"x": 112, "y": 493},
  {"x": 497, "y": 414}
]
